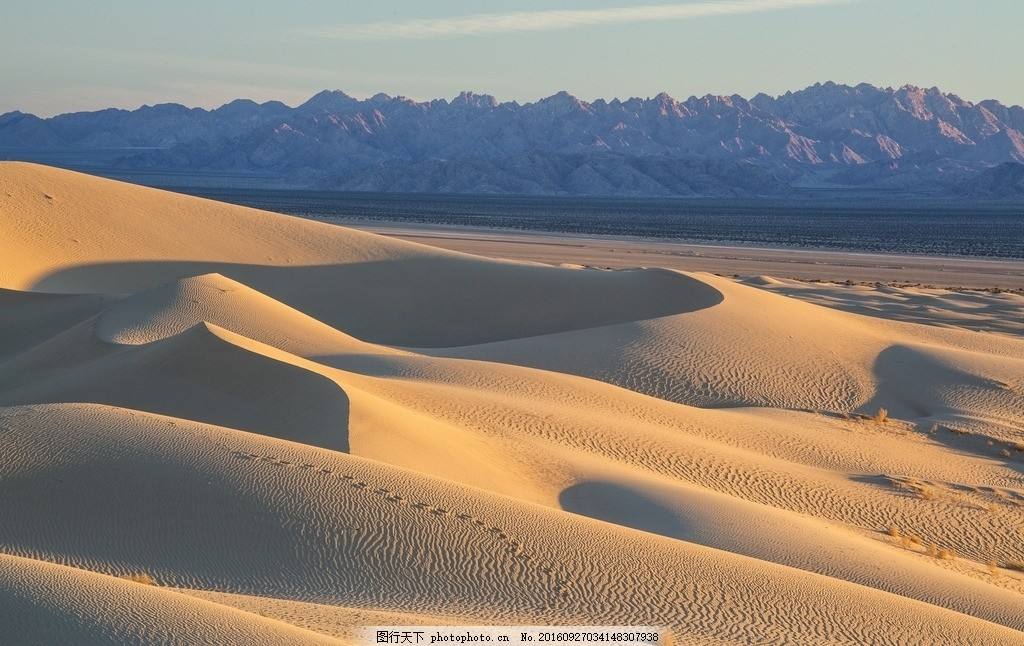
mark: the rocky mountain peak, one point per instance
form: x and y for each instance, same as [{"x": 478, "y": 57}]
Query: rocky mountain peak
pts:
[{"x": 828, "y": 133}]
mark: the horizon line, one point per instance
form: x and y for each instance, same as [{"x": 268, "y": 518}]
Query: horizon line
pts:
[{"x": 369, "y": 97}]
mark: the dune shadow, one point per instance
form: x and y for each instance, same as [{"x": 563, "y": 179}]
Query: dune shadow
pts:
[
  {"x": 909, "y": 378},
  {"x": 199, "y": 376},
  {"x": 909, "y": 381},
  {"x": 621, "y": 505},
  {"x": 30, "y": 318},
  {"x": 427, "y": 301}
]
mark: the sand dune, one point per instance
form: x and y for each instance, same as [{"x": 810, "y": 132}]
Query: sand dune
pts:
[
  {"x": 44, "y": 603},
  {"x": 65, "y": 232},
  {"x": 371, "y": 534},
  {"x": 295, "y": 428},
  {"x": 206, "y": 374},
  {"x": 755, "y": 349}
]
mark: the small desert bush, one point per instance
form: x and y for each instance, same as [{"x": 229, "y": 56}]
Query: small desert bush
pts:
[
  {"x": 142, "y": 578},
  {"x": 910, "y": 541},
  {"x": 941, "y": 553},
  {"x": 907, "y": 540},
  {"x": 882, "y": 416},
  {"x": 919, "y": 489}
]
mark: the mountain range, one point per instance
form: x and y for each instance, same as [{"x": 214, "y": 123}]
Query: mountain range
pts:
[{"x": 908, "y": 140}]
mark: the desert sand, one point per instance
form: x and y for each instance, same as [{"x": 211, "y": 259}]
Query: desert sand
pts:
[{"x": 221, "y": 425}]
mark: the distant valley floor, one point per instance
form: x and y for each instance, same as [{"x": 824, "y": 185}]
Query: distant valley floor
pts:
[{"x": 618, "y": 252}]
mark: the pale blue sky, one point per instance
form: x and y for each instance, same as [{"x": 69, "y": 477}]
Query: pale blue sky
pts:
[{"x": 64, "y": 55}]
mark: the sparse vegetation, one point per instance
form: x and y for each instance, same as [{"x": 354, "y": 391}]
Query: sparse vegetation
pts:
[
  {"x": 946, "y": 554},
  {"x": 911, "y": 540},
  {"x": 933, "y": 550},
  {"x": 882, "y": 416},
  {"x": 920, "y": 489},
  {"x": 907, "y": 540},
  {"x": 142, "y": 578}
]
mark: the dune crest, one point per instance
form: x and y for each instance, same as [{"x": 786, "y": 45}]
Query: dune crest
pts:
[{"x": 59, "y": 234}]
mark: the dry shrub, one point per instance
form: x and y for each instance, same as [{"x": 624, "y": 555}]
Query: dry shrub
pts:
[
  {"x": 920, "y": 489},
  {"x": 882, "y": 416},
  {"x": 142, "y": 578},
  {"x": 926, "y": 493},
  {"x": 911, "y": 541}
]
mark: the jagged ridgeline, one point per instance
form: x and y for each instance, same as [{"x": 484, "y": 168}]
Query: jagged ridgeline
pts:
[{"x": 907, "y": 140}]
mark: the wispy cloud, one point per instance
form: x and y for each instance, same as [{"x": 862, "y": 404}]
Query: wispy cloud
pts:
[{"x": 526, "y": 21}]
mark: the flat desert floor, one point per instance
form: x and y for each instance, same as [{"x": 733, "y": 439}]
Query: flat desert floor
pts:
[
  {"x": 618, "y": 252},
  {"x": 220, "y": 425}
]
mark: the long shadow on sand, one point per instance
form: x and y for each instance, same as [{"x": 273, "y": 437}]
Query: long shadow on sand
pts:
[
  {"x": 909, "y": 382},
  {"x": 201, "y": 375},
  {"x": 621, "y": 505},
  {"x": 426, "y": 301},
  {"x": 910, "y": 379}
]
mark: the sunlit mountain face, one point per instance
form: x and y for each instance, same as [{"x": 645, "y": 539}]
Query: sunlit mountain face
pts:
[{"x": 911, "y": 140}]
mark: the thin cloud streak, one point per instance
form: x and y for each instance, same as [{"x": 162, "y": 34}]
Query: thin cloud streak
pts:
[{"x": 484, "y": 24}]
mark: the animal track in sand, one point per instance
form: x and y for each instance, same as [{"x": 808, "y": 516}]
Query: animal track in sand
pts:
[{"x": 511, "y": 546}]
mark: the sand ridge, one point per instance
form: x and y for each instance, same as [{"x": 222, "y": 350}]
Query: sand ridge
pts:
[{"x": 367, "y": 285}]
